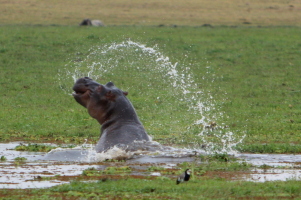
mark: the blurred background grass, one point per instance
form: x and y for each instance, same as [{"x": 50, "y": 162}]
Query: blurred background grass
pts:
[{"x": 154, "y": 12}]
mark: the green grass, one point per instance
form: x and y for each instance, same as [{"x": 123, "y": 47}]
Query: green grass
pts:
[
  {"x": 199, "y": 189},
  {"x": 163, "y": 189},
  {"x": 254, "y": 79}
]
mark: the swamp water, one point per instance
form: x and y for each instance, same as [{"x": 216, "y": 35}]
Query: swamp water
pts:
[
  {"x": 60, "y": 166},
  {"x": 112, "y": 61}
]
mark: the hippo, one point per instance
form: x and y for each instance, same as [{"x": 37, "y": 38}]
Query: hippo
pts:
[
  {"x": 88, "y": 22},
  {"x": 120, "y": 125}
]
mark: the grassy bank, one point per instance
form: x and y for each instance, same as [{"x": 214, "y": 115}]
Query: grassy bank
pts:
[
  {"x": 162, "y": 189},
  {"x": 252, "y": 74}
]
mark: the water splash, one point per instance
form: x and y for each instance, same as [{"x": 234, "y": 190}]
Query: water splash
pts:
[
  {"x": 103, "y": 60},
  {"x": 88, "y": 154},
  {"x": 112, "y": 61}
]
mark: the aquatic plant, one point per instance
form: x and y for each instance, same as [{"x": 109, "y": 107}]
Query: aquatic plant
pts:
[
  {"x": 3, "y": 158},
  {"x": 34, "y": 147},
  {"x": 20, "y": 159}
]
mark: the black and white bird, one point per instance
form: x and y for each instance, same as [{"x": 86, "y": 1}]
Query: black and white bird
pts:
[{"x": 184, "y": 177}]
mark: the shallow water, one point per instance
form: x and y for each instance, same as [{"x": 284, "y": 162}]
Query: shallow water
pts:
[
  {"x": 64, "y": 163},
  {"x": 71, "y": 162},
  {"x": 284, "y": 167}
]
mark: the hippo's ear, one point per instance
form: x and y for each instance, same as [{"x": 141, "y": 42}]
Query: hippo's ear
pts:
[
  {"x": 125, "y": 93},
  {"x": 110, "y": 84}
]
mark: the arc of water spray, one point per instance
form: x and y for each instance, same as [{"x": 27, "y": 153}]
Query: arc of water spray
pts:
[{"x": 199, "y": 103}]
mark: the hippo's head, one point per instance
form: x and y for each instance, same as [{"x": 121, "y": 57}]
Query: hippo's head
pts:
[
  {"x": 86, "y": 22},
  {"x": 99, "y": 99},
  {"x": 83, "y": 88}
]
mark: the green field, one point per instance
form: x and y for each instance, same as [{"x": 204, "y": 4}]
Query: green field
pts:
[
  {"x": 162, "y": 189},
  {"x": 249, "y": 79}
]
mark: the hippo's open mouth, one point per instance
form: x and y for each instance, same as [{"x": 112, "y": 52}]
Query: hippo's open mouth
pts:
[
  {"x": 83, "y": 85},
  {"x": 82, "y": 90},
  {"x": 81, "y": 94}
]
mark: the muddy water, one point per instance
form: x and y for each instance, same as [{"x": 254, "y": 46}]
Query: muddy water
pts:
[
  {"x": 64, "y": 163},
  {"x": 273, "y": 167},
  {"x": 61, "y": 164}
]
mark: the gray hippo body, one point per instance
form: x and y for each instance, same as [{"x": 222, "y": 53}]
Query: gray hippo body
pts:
[
  {"x": 88, "y": 22},
  {"x": 110, "y": 107}
]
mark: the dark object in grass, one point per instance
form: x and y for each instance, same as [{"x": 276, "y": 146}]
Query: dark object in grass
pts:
[
  {"x": 88, "y": 22},
  {"x": 184, "y": 177},
  {"x": 110, "y": 107}
]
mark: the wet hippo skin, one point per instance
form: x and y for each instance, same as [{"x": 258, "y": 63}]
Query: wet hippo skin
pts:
[{"x": 110, "y": 107}]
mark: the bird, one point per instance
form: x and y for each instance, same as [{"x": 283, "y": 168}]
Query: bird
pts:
[{"x": 184, "y": 177}]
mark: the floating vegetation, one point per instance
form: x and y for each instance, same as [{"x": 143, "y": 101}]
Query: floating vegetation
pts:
[
  {"x": 3, "y": 158},
  {"x": 20, "y": 159},
  {"x": 34, "y": 147},
  {"x": 109, "y": 170}
]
